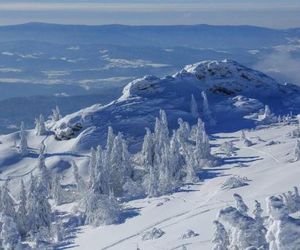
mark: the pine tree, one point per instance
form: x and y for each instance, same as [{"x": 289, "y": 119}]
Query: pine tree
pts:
[
  {"x": 220, "y": 239},
  {"x": 40, "y": 127},
  {"x": 110, "y": 140},
  {"x": 22, "y": 211},
  {"x": 206, "y": 110},
  {"x": 58, "y": 192},
  {"x": 297, "y": 151},
  {"x": 257, "y": 212},
  {"x": 56, "y": 116},
  {"x": 44, "y": 175},
  {"x": 9, "y": 233},
  {"x": 8, "y": 203},
  {"x": 23, "y": 147},
  {"x": 194, "y": 107},
  {"x": 240, "y": 204},
  {"x": 80, "y": 184},
  {"x": 39, "y": 209},
  {"x": 92, "y": 167}
]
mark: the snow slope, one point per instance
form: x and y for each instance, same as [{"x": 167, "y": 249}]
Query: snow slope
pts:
[{"x": 269, "y": 169}]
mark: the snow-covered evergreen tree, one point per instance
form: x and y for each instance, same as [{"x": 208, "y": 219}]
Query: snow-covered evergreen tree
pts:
[
  {"x": 228, "y": 148},
  {"x": 44, "y": 175},
  {"x": 8, "y": 203},
  {"x": 56, "y": 116},
  {"x": 244, "y": 231},
  {"x": 22, "y": 212},
  {"x": 257, "y": 212},
  {"x": 40, "y": 127},
  {"x": 220, "y": 238},
  {"x": 9, "y": 233},
  {"x": 208, "y": 117},
  {"x": 240, "y": 204},
  {"x": 58, "y": 192},
  {"x": 283, "y": 230},
  {"x": 80, "y": 184},
  {"x": 39, "y": 209},
  {"x": 297, "y": 151},
  {"x": 23, "y": 146},
  {"x": 194, "y": 107},
  {"x": 92, "y": 167},
  {"x": 101, "y": 209}
]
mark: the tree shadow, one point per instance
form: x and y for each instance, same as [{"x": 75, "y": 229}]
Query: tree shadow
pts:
[{"x": 128, "y": 213}]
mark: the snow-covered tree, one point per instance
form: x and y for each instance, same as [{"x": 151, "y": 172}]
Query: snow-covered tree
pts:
[
  {"x": 240, "y": 204},
  {"x": 80, "y": 184},
  {"x": 39, "y": 209},
  {"x": 92, "y": 167},
  {"x": 22, "y": 212},
  {"x": 110, "y": 140},
  {"x": 40, "y": 127},
  {"x": 8, "y": 203},
  {"x": 257, "y": 212},
  {"x": 208, "y": 117},
  {"x": 56, "y": 116},
  {"x": 9, "y": 233},
  {"x": 220, "y": 238},
  {"x": 283, "y": 230},
  {"x": 183, "y": 132},
  {"x": 101, "y": 209},
  {"x": 228, "y": 148},
  {"x": 44, "y": 175},
  {"x": 243, "y": 136},
  {"x": 194, "y": 107},
  {"x": 297, "y": 151},
  {"x": 244, "y": 230},
  {"x": 58, "y": 192},
  {"x": 23, "y": 146}
]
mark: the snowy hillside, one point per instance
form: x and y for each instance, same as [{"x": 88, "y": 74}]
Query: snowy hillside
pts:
[{"x": 219, "y": 136}]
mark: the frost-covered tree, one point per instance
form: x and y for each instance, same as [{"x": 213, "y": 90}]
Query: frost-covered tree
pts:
[
  {"x": 9, "y": 233},
  {"x": 194, "y": 107},
  {"x": 44, "y": 175},
  {"x": 80, "y": 184},
  {"x": 40, "y": 127},
  {"x": 92, "y": 167},
  {"x": 8, "y": 203},
  {"x": 58, "y": 192},
  {"x": 23, "y": 146},
  {"x": 22, "y": 212},
  {"x": 297, "y": 151},
  {"x": 183, "y": 132},
  {"x": 39, "y": 209},
  {"x": 208, "y": 117},
  {"x": 101, "y": 209},
  {"x": 240, "y": 204},
  {"x": 243, "y": 136},
  {"x": 220, "y": 238},
  {"x": 56, "y": 116},
  {"x": 283, "y": 230},
  {"x": 191, "y": 176},
  {"x": 110, "y": 140},
  {"x": 244, "y": 231},
  {"x": 257, "y": 212},
  {"x": 228, "y": 148}
]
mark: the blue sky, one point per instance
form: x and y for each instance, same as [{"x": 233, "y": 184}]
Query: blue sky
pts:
[{"x": 268, "y": 13}]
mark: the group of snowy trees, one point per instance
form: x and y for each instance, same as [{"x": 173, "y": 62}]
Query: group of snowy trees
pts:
[
  {"x": 40, "y": 129},
  {"x": 30, "y": 218},
  {"x": 275, "y": 231},
  {"x": 164, "y": 163}
]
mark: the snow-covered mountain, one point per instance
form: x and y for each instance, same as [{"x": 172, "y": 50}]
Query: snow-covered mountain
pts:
[
  {"x": 236, "y": 96},
  {"x": 167, "y": 195}
]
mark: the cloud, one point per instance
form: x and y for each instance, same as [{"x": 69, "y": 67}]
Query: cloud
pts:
[{"x": 281, "y": 65}]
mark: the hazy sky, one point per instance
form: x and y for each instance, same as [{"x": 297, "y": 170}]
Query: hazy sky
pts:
[{"x": 269, "y": 13}]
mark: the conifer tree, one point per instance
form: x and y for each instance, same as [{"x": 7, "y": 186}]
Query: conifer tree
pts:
[{"x": 23, "y": 146}]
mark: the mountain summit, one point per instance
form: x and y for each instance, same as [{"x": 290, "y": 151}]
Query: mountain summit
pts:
[{"x": 231, "y": 92}]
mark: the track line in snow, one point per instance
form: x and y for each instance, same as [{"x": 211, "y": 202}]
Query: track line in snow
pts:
[{"x": 262, "y": 152}]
